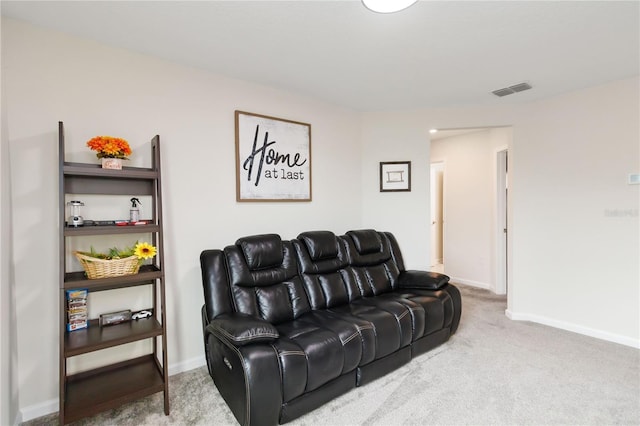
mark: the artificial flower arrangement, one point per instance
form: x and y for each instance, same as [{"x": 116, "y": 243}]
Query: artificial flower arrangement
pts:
[
  {"x": 110, "y": 147},
  {"x": 116, "y": 262}
]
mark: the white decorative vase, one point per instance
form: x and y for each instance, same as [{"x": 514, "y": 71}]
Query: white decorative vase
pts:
[{"x": 112, "y": 163}]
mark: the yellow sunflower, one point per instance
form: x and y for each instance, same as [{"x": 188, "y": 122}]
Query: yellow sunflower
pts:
[{"x": 145, "y": 251}]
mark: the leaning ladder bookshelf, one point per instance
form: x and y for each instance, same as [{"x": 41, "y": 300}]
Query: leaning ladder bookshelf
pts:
[{"x": 89, "y": 392}]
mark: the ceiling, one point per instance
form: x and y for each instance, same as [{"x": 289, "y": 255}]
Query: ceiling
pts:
[
  {"x": 449, "y": 133},
  {"x": 433, "y": 54}
]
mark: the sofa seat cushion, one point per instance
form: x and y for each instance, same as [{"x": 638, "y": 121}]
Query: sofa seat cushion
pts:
[
  {"x": 357, "y": 336},
  {"x": 405, "y": 320},
  {"x": 388, "y": 336},
  {"x": 437, "y": 304},
  {"x": 429, "y": 308},
  {"x": 309, "y": 356},
  {"x": 409, "y": 314}
]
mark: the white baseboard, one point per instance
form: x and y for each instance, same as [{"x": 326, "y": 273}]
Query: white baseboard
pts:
[
  {"x": 575, "y": 328},
  {"x": 189, "y": 364},
  {"x": 38, "y": 410},
  {"x": 471, "y": 283},
  {"x": 51, "y": 406}
]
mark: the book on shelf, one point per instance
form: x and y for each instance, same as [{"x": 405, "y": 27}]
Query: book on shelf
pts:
[{"x": 77, "y": 314}]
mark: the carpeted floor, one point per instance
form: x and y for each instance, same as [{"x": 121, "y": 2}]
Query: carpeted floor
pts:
[{"x": 493, "y": 371}]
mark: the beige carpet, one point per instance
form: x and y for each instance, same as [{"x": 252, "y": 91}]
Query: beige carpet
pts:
[{"x": 493, "y": 371}]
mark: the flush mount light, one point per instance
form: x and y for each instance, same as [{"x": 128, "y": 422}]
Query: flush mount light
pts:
[
  {"x": 387, "y": 6},
  {"x": 432, "y": 131}
]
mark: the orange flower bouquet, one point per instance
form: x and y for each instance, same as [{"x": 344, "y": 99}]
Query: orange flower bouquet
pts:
[{"x": 110, "y": 147}]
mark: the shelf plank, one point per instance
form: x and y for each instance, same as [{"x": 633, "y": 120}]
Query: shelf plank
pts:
[
  {"x": 116, "y": 185},
  {"x": 95, "y": 337},
  {"x": 70, "y": 231},
  {"x": 95, "y": 170},
  {"x": 98, "y": 390},
  {"x": 147, "y": 274}
]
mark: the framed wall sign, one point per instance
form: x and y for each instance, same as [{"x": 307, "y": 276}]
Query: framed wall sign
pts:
[
  {"x": 273, "y": 159},
  {"x": 395, "y": 176}
]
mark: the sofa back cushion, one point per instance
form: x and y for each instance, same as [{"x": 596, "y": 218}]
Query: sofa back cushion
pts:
[
  {"x": 322, "y": 260},
  {"x": 215, "y": 283},
  {"x": 262, "y": 251},
  {"x": 264, "y": 280},
  {"x": 372, "y": 268},
  {"x": 321, "y": 245}
]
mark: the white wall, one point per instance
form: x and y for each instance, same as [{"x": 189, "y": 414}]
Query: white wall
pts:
[
  {"x": 574, "y": 241},
  {"x": 405, "y": 214},
  {"x": 469, "y": 203},
  {"x": 8, "y": 367},
  {"x": 94, "y": 89},
  {"x": 576, "y": 218}
]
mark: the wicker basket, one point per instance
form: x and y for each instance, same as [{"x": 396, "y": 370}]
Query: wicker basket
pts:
[{"x": 102, "y": 268}]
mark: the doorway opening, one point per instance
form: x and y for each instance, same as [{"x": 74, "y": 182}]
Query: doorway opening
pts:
[
  {"x": 468, "y": 205},
  {"x": 437, "y": 217},
  {"x": 501, "y": 228}
]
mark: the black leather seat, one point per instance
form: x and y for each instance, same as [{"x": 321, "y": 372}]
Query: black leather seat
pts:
[
  {"x": 289, "y": 325},
  {"x": 323, "y": 268},
  {"x": 431, "y": 310}
]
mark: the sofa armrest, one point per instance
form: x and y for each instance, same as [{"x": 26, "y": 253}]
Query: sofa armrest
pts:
[
  {"x": 422, "y": 279},
  {"x": 242, "y": 329},
  {"x": 245, "y": 368}
]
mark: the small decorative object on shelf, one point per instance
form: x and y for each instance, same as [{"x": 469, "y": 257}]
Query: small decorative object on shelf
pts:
[
  {"x": 96, "y": 268},
  {"x": 110, "y": 150},
  {"x": 77, "y": 309},
  {"x": 141, "y": 315},
  {"x": 117, "y": 262},
  {"x": 74, "y": 218},
  {"x": 112, "y": 163},
  {"x": 134, "y": 211},
  {"x": 114, "y": 318}
]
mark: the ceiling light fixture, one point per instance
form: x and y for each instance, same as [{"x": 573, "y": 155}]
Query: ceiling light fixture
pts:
[
  {"x": 432, "y": 131},
  {"x": 387, "y": 6}
]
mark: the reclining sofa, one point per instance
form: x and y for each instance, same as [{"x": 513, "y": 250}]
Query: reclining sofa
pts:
[{"x": 290, "y": 325}]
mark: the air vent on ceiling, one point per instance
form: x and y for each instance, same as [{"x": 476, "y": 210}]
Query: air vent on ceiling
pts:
[{"x": 512, "y": 89}]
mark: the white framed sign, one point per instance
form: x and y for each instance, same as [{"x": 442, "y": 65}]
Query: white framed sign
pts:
[{"x": 273, "y": 159}]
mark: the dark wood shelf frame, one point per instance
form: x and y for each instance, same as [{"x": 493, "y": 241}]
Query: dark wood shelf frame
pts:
[
  {"x": 109, "y": 387},
  {"x": 88, "y": 393}
]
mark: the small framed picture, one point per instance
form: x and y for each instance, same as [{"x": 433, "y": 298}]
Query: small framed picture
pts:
[{"x": 395, "y": 176}]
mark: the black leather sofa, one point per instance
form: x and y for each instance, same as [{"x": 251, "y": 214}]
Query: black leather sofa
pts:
[{"x": 290, "y": 325}]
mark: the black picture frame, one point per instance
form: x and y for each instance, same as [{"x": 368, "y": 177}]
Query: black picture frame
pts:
[{"x": 395, "y": 176}]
